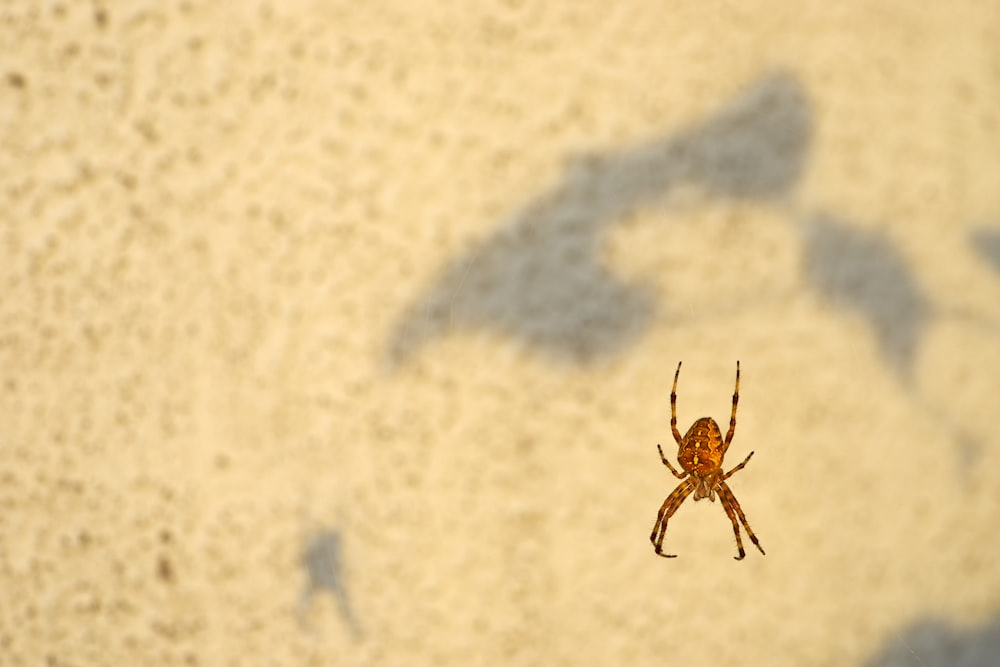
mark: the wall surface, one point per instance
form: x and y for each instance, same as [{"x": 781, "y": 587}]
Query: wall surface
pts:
[{"x": 338, "y": 333}]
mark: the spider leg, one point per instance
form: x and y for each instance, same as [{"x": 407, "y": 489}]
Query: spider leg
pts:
[
  {"x": 739, "y": 467},
  {"x": 732, "y": 418},
  {"x": 678, "y": 475},
  {"x": 727, "y": 495},
  {"x": 667, "y": 510},
  {"x": 726, "y": 505},
  {"x": 673, "y": 408}
]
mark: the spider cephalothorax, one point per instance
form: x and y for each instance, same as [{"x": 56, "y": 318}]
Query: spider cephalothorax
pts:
[{"x": 700, "y": 454}]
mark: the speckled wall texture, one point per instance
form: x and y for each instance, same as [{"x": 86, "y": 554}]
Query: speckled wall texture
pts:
[{"x": 338, "y": 333}]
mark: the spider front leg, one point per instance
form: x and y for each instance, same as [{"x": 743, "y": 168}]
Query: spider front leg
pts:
[
  {"x": 678, "y": 475},
  {"x": 667, "y": 510},
  {"x": 732, "y": 417},
  {"x": 673, "y": 407},
  {"x": 739, "y": 467}
]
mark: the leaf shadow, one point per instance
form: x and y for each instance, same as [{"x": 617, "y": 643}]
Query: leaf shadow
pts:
[
  {"x": 987, "y": 243},
  {"x": 323, "y": 562},
  {"x": 937, "y": 643},
  {"x": 539, "y": 277},
  {"x": 862, "y": 271}
]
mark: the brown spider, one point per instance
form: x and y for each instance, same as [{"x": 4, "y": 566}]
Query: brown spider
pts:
[{"x": 700, "y": 455}]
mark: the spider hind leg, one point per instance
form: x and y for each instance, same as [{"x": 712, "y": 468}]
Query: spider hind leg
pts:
[
  {"x": 736, "y": 526},
  {"x": 733, "y": 507},
  {"x": 667, "y": 510}
]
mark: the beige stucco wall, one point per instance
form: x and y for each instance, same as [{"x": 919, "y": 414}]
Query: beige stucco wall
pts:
[{"x": 343, "y": 333}]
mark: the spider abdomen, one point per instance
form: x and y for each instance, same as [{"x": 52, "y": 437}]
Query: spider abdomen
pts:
[{"x": 702, "y": 448}]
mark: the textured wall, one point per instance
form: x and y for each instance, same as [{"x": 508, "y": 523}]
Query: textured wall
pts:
[{"x": 338, "y": 334}]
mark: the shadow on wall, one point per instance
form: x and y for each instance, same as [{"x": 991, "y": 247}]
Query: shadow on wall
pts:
[
  {"x": 987, "y": 243},
  {"x": 934, "y": 643},
  {"x": 323, "y": 562},
  {"x": 860, "y": 270},
  {"x": 539, "y": 278}
]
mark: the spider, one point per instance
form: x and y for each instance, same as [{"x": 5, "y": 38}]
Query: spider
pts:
[{"x": 700, "y": 455}]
